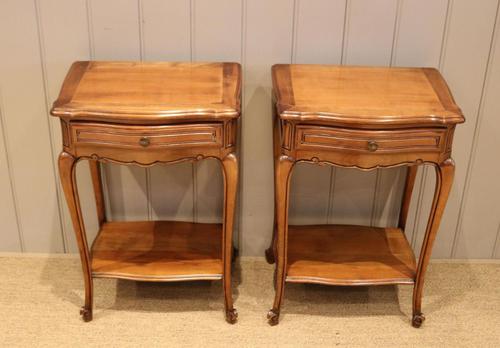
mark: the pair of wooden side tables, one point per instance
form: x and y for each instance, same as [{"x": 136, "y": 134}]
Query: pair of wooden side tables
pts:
[{"x": 143, "y": 114}]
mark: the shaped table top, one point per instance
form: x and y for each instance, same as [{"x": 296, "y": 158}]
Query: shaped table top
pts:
[
  {"x": 364, "y": 96},
  {"x": 149, "y": 92}
]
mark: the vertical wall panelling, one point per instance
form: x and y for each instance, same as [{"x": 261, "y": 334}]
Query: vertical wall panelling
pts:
[
  {"x": 368, "y": 40},
  {"x": 417, "y": 42},
  {"x": 10, "y": 238},
  {"x": 64, "y": 39},
  {"x": 217, "y": 30},
  {"x": 166, "y": 30},
  {"x": 115, "y": 32},
  {"x": 268, "y": 40},
  {"x": 420, "y": 33},
  {"x": 166, "y": 36},
  {"x": 216, "y": 37},
  {"x": 467, "y": 47},
  {"x": 41, "y": 38},
  {"x": 115, "y": 28},
  {"x": 481, "y": 202},
  {"x": 25, "y": 122},
  {"x": 322, "y": 20},
  {"x": 369, "y": 32}
]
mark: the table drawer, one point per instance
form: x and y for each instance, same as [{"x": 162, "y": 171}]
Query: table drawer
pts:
[
  {"x": 370, "y": 141},
  {"x": 147, "y": 137}
]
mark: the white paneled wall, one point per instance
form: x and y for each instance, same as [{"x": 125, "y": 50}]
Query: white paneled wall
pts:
[{"x": 39, "y": 39}]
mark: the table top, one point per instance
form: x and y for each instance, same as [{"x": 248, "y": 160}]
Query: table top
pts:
[
  {"x": 149, "y": 92},
  {"x": 364, "y": 96}
]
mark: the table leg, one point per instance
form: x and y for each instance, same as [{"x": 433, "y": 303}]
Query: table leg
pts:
[
  {"x": 95, "y": 173},
  {"x": 67, "y": 168},
  {"x": 411, "y": 175},
  {"x": 283, "y": 169},
  {"x": 444, "y": 178},
  {"x": 230, "y": 170},
  {"x": 271, "y": 251}
]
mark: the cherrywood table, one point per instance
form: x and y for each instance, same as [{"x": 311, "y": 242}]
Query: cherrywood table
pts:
[
  {"x": 142, "y": 114},
  {"x": 365, "y": 118}
]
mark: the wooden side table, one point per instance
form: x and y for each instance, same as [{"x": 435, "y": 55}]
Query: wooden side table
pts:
[
  {"x": 142, "y": 114},
  {"x": 365, "y": 118}
]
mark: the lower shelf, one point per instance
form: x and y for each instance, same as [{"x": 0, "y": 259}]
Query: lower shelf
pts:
[
  {"x": 158, "y": 251},
  {"x": 349, "y": 255}
]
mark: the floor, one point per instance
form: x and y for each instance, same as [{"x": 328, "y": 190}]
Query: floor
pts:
[{"x": 40, "y": 297}]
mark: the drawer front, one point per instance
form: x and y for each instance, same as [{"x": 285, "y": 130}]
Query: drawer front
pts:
[
  {"x": 150, "y": 137},
  {"x": 370, "y": 141}
]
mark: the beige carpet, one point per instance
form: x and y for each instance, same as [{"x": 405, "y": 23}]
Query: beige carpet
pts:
[{"x": 40, "y": 298}]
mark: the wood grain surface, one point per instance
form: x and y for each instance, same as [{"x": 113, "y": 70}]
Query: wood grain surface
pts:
[{"x": 158, "y": 251}]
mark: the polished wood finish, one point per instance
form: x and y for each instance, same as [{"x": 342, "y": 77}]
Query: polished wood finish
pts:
[
  {"x": 150, "y": 92},
  {"x": 367, "y": 97},
  {"x": 349, "y": 255},
  {"x": 158, "y": 251},
  {"x": 445, "y": 173},
  {"x": 365, "y": 118},
  {"x": 142, "y": 114},
  {"x": 67, "y": 171}
]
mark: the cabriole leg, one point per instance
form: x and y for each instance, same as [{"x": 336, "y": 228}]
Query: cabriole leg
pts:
[
  {"x": 271, "y": 251},
  {"x": 282, "y": 183},
  {"x": 444, "y": 178},
  {"x": 230, "y": 169},
  {"x": 67, "y": 169}
]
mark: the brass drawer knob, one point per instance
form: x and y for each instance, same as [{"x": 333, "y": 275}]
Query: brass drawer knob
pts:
[
  {"x": 372, "y": 146},
  {"x": 144, "y": 142}
]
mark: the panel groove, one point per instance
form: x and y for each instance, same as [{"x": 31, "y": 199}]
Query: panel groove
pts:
[
  {"x": 333, "y": 170},
  {"x": 444, "y": 40},
  {"x": 11, "y": 176},
  {"x": 191, "y": 26},
  {"x": 140, "y": 19},
  {"x": 43, "y": 67},
  {"x": 379, "y": 173},
  {"x": 194, "y": 165},
  {"x": 477, "y": 128},
  {"x": 104, "y": 178},
  {"x": 423, "y": 179},
  {"x": 395, "y": 37},
  {"x": 90, "y": 33},
  {"x": 241, "y": 123},
  {"x": 142, "y": 49},
  {"x": 369, "y": 33},
  {"x": 345, "y": 36},
  {"x": 88, "y": 6},
  {"x": 239, "y": 200},
  {"x": 295, "y": 28}
]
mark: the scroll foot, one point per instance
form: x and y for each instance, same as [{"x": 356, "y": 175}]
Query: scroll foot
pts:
[
  {"x": 86, "y": 314},
  {"x": 270, "y": 255},
  {"x": 417, "y": 320},
  {"x": 273, "y": 317},
  {"x": 231, "y": 316}
]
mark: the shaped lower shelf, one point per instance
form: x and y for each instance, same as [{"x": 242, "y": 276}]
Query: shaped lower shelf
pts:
[
  {"x": 349, "y": 255},
  {"x": 158, "y": 251}
]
